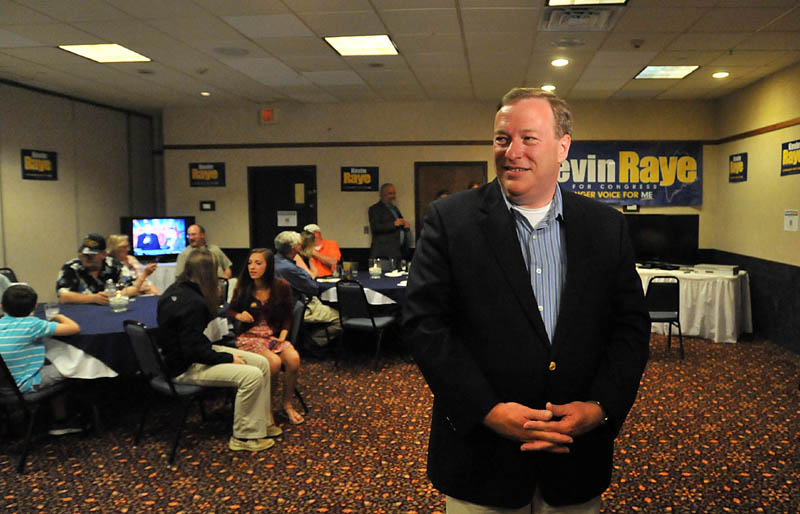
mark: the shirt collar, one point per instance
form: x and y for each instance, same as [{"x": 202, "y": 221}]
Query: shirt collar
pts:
[{"x": 556, "y": 208}]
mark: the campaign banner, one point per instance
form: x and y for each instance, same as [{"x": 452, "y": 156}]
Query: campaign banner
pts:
[
  {"x": 790, "y": 158},
  {"x": 737, "y": 167},
  {"x": 663, "y": 173},
  {"x": 39, "y": 165},
  {"x": 207, "y": 174},
  {"x": 359, "y": 178}
]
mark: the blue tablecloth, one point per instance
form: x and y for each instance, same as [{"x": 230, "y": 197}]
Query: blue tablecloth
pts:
[
  {"x": 102, "y": 334},
  {"x": 392, "y": 287}
]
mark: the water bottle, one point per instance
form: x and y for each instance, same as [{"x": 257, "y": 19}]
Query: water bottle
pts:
[{"x": 111, "y": 289}]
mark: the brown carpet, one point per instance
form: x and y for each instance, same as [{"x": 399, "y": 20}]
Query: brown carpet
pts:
[{"x": 716, "y": 433}]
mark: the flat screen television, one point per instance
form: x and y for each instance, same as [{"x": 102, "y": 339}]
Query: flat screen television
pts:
[
  {"x": 157, "y": 236},
  {"x": 664, "y": 238}
]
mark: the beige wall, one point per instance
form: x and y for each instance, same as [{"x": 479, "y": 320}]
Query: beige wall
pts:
[
  {"x": 343, "y": 215},
  {"x": 42, "y": 222}
]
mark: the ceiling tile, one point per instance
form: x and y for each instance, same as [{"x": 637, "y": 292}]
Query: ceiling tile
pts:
[
  {"x": 333, "y": 78},
  {"x": 707, "y": 42},
  {"x": 13, "y": 40},
  {"x": 268, "y": 25},
  {"x": 54, "y": 34},
  {"x": 771, "y": 41},
  {"x": 416, "y": 4},
  {"x": 297, "y": 46},
  {"x": 268, "y": 71},
  {"x": 77, "y": 10},
  {"x": 427, "y": 43},
  {"x": 500, "y": 20},
  {"x": 658, "y": 19},
  {"x": 243, "y": 7},
  {"x": 736, "y": 19},
  {"x": 308, "y": 6},
  {"x": 636, "y": 58},
  {"x": 645, "y": 41},
  {"x": 685, "y": 58},
  {"x": 315, "y": 63},
  {"x": 350, "y": 23},
  {"x": 12, "y": 13},
  {"x": 421, "y": 21}
]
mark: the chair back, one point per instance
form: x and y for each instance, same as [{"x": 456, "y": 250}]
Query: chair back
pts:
[
  {"x": 663, "y": 294},
  {"x": 9, "y": 274},
  {"x": 8, "y": 386},
  {"x": 223, "y": 287},
  {"x": 298, "y": 311},
  {"x": 352, "y": 300},
  {"x": 148, "y": 356}
]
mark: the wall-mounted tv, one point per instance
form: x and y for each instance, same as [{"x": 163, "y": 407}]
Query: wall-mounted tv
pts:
[
  {"x": 156, "y": 236},
  {"x": 664, "y": 238}
]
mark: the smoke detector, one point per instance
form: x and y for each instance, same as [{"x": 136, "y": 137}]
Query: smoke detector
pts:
[{"x": 579, "y": 19}]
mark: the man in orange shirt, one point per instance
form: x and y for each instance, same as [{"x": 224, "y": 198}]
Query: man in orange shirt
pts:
[{"x": 326, "y": 255}]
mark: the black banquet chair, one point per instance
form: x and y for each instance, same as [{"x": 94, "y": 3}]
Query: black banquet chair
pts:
[
  {"x": 9, "y": 274},
  {"x": 663, "y": 301},
  {"x": 29, "y": 403},
  {"x": 153, "y": 368},
  {"x": 356, "y": 314}
]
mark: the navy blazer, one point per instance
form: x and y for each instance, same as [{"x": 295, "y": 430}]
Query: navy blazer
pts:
[
  {"x": 385, "y": 235},
  {"x": 476, "y": 333}
]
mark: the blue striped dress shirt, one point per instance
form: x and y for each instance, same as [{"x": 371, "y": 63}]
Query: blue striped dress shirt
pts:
[{"x": 543, "y": 251}]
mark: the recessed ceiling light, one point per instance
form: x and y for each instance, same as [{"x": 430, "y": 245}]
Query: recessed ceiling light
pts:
[
  {"x": 549, "y": 87},
  {"x": 665, "y": 72},
  {"x": 362, "y": 45},
  {"x": 205, "y": 93},
  {"x": 558, "y": 3},
  {"x": 558, "y": 63},
  {"x": 720, "y": 74},
  {"x": 108, "y": 52}
]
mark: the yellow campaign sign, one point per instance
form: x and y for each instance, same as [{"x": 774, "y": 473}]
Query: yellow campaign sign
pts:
[
  {"x": 39, "y": 165},
  {"x": 207, "y": 174}
]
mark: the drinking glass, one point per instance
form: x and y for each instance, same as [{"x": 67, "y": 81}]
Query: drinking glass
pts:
[
  {"x": 51, "y": 310},
  {"x": 403, "y": 265}
]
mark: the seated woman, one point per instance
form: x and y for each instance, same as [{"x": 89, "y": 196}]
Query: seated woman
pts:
[
  {"x": 133, "y": 271},
  {"x": 303, "y": 258},
  {"x": 262, "y": 304},
  {"x": 183, "y": 313}
]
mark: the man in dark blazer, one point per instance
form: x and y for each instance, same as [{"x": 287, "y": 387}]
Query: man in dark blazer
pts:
[
  {"x": 390, "y": 231},
  {"x": 527, "y": 319}
]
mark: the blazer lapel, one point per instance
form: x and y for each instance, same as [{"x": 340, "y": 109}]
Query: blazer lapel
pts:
[
  {"x": 498, "y": 226},
  {"x": 579, "y": 268}
]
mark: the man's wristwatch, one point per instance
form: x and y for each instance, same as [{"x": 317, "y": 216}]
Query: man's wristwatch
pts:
[{"x": 605, "y": 415}]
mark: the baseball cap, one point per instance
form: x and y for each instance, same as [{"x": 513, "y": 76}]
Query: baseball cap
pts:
[
  {"x": 312, "y": 227},
  {"x": 92, "y": 244}
]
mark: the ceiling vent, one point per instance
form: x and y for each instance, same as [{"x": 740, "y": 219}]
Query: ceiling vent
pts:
[{"x": 579, "y": 19}]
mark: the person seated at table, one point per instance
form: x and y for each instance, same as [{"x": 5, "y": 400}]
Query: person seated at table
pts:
[
  {"x": 22, "y": 348},
  {"x": 184, "y": 311},
  {"x": 326, "y": 254},
  {"x": 262, "y": 306},
  {"x": 133, "y": 271},
  {"x": 287, "y": 245},
  {"x": 83, "y": 279},
  {"x": 304, "y": 257}
]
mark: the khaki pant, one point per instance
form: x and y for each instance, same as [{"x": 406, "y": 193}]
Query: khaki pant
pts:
[
  {"x": 537, "y": 506},
  {"x": 252, "y": 382}
]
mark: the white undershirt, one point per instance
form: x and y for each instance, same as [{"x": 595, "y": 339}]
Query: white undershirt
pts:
[{"x": 534, "y": 216}]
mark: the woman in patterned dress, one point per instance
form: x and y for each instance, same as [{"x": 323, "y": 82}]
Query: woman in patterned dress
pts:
[{"x": 262, "y": 310}]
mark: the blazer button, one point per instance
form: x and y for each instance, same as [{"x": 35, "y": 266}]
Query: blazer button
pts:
[{"x": 552, "y": 366}]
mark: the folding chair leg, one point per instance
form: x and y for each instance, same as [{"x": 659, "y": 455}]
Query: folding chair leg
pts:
[
  {"x": 26, "y": 444},
  {"x": 669, "y": 336},
  {"x": 186, "y": 406},
  {"x": 378, "y": 348},
  {"x": 301, "y": 400},
  {"x": 140, "y": 428},
  {"x": 680, "y": 338}
]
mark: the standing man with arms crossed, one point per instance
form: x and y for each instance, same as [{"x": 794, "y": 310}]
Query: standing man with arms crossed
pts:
[
  {"x": 390, "y": 231},
  {"x": 527, "y": 319}
]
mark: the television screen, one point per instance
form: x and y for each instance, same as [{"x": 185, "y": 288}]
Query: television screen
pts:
[
  {"x": 664, "y": 238},
  {"x": 158, "y": 236}
]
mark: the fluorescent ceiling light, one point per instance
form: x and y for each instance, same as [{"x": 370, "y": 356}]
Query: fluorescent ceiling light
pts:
[
  {"x": 110, "y": 52},
  {"x": 560, "y": 3},
  {"x": 549, "y": 87},
  {"x": 558, "y": 63},
  {"x": 362, "y": 45},
  {"x": 665, "y": 72},
  {"x": 720, "y": 75}
]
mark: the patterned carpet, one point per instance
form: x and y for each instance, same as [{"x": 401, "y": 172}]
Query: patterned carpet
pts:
[{"x": 716, "y": 433}]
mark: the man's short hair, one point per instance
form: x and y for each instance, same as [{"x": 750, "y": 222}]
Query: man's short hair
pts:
[
  {"x": 201, "y": 227},
  {"x": 562, "y": 116},
  {"x": 285, "y": 241},
  {"x": 19, "y": 300}
]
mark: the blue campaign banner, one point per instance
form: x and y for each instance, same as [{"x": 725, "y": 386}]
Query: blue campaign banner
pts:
[
  {"x": 207, "y": 174},
  {"x": 39, "y": 165},
  {"x": 635, "y": 172},
  {"x": 737, "y": 167},
  {"x": 790, "y": 158},
  {"x": 359, "y": 178}
]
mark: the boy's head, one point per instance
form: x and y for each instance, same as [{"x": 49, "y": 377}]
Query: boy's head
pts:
[{"x": 19, "y": 300}]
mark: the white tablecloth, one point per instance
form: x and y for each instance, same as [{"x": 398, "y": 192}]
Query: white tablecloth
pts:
[
  {"x": 713, "y": 305},
  {"x": 163, "y": 276}
]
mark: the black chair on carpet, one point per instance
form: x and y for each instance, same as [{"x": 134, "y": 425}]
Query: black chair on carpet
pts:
[
  {"x": 663, "y": 301},
  {"x": 9, "y": 274},
  {"x": 153, "y": 368},
  {"x": 356, "y": 314},
  {"x": 29, "y": 403},
  {"x": 297, "y": 321}
]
